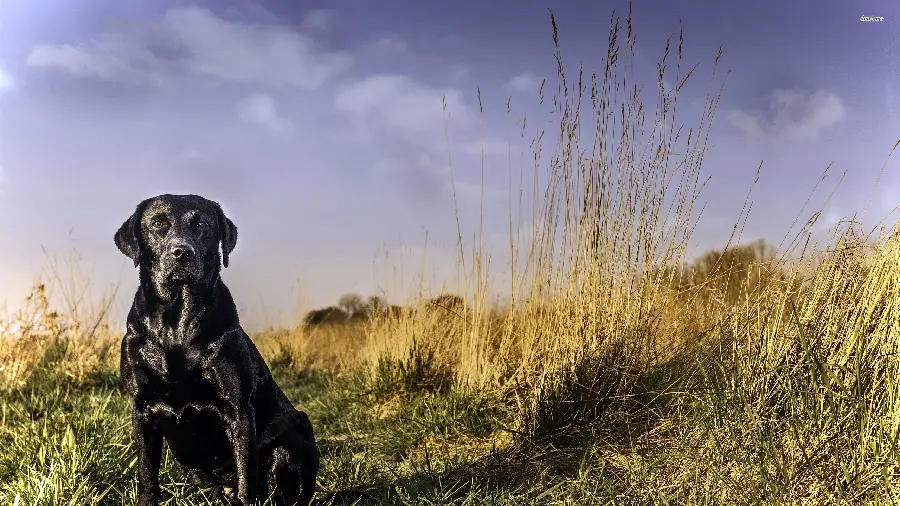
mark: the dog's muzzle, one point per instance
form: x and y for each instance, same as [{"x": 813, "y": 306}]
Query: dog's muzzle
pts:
[
  {"x": 181, "y": 262},
  {"x": 181, "y": 251}
]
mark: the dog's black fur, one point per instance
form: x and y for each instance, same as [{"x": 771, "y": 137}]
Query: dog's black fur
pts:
[{"x": 195, "y": 378}]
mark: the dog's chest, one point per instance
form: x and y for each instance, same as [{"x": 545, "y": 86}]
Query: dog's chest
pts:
[{"x": 180, "y": 375}]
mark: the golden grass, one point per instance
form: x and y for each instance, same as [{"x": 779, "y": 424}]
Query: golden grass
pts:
[{"x": 748, "y": 378}]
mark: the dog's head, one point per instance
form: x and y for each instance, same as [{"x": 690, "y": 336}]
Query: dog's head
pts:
[{"x": 175, "y": 239}]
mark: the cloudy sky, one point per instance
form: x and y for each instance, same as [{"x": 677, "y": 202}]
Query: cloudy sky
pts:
[{"x": 321, "y": 131}]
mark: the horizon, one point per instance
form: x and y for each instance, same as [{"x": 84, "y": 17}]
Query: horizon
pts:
[{"x": 321, "y": 132}]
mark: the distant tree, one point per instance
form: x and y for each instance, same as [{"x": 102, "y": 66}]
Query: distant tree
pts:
[
  {"x": 330, "y": 314},
  {"x": 738, "y": 270},
  {"x": 377, "y": 303},
  {"x": 352, "y": 303},
  {"x": 446, "y": 302}
]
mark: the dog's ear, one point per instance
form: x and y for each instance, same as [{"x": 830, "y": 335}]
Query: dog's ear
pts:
[
  {"x": 128, "y": 237},
  {"x": 228, "y": 235}
]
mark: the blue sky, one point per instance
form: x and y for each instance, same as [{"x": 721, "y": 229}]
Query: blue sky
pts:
[{"x": 320, "y": 128}]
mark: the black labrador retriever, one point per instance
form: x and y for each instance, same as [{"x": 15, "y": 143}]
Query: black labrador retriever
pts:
[{"x": 195, "y": 378}]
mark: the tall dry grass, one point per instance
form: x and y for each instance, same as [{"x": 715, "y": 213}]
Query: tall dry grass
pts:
[
  {"x": 70, "y": 334},
  {"x": 748, "y": 377}
]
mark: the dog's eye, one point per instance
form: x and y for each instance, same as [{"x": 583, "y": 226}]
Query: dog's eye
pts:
[
  {"x": 202, "y": 224},
  {"x": 158, "y": 224}
]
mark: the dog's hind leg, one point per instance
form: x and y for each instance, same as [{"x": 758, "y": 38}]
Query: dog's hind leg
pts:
[
  {"x": 286, "y": 481},
  {"x": 291, "y": 459}
]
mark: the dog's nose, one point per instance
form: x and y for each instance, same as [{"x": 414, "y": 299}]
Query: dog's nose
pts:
[{"x": 181, "y": 251}]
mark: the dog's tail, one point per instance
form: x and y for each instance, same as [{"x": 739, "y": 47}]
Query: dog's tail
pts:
[{"x": 344, "y": 498}]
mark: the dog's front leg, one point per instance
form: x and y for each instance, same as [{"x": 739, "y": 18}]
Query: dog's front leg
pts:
[
  {"x": 243, "y": 441},
  {"x": 148, "y": 442}
]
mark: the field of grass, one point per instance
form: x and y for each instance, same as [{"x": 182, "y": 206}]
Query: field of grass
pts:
[{"x": 618, "y": 372}]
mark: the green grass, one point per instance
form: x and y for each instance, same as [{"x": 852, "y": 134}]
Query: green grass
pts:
[
  {"x": 605, "y": 433},
  {"x": 617, "y": 374},
  {"x": 67, "y": 442}
]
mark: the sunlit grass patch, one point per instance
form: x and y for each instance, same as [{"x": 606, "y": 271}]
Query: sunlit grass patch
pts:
[{"x": 619, "y": 371}]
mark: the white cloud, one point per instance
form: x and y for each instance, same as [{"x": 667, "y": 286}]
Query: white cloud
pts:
[
  {"x": 453, "y": 39},
  {"x": 319, "y": 19},
  {"x": 791, "y": 115},
  {"x": 192, "y": 41},
  {"x": 475, "y": 192},
  {"x": 6, "y": 82},
  {"x": 747, "y": 123},
  {"x": 392, "y": 44},
  {"x": 667, "y": 86},
  {"x": 525, "y": 82},
  {"x": 460, "y": 73},
  {"x": 108, "y": 57},
  {"x": 193, "y": 154},
  {"x": 401, "y": 122},
  {"x": 889, "y": 197},
  {"x": 891, "y": 102},
  {"x": 261, "y": 109},
  {"x": 402, "y": 106},
  {"x": 490, "y": 147},
  {"x": 831, "y": 217}
]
